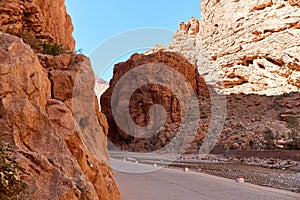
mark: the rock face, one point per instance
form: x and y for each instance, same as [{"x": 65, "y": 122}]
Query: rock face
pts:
[
  {"x": 41, "y": 18},
  {"x": 147, "y": 95},
  {"x": 253, "y": 45},
  {"x": 250, "y": 116},
  {"x": 191, "y": 27},
  {"x": 257, "y": 47},
  {"x": 49, "y": 115}
]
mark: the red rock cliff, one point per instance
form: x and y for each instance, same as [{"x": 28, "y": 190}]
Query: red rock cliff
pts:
[
  {"x": 43, "y": 19},
  {"x": 46, "y": 115},
  {"x": 49, "y": 112}
]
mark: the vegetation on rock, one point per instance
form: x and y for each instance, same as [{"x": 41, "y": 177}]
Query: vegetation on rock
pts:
[
  {"x": 294, "y": 126},
  {"x": 41, "y": 46}
]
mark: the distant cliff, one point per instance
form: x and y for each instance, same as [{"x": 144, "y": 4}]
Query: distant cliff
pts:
[{"x": 254, "y": 45}]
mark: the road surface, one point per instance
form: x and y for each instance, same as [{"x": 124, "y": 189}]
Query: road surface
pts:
[{"x": 171, "y": 184}]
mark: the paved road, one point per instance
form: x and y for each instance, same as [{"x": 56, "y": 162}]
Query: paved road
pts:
[{"x": 170, "y": 184}]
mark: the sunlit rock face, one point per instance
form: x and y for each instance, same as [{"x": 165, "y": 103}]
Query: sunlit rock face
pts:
[
  {"x": 46, "y": 20},
  {"x": 254, "y": 45},
  {"x": 50, "y": 115}
]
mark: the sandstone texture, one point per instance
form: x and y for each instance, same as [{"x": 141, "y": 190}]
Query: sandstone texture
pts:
[
  {"x": 43, "y": 19},
  {"x": 253, "y": 45},
  {"x": 50, "y": 116}
]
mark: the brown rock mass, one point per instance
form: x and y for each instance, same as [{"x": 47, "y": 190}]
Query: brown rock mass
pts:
[
  {"x": 48, "y": 115},
  {"x": 41, "y": 18},
  {"x": 146, "y": 96}
]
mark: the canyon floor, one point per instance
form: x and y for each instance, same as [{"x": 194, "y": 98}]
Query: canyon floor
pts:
[
  {"x": 166, "y": 183},
  {"x": 278, "y": 175}
]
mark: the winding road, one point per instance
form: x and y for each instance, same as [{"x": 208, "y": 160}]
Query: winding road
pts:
[{"x": 152, "y": 183}]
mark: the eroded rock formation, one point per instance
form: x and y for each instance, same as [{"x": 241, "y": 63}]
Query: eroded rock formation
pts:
[
  {"x": 148, "y": 95},
  {"x": 40, "y": 18},
  {"x": 257, "y": 47},
  {"x": 49, "y": 115}
]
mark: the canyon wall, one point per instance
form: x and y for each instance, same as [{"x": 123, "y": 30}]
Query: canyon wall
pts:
[
  {"x": 253, "y": 45},
  {"x": 49, "y": 112}
]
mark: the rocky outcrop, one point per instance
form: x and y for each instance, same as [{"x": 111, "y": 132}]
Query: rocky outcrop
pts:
[
  {"x": 42, "y": 19},
  {"x": 49, "y": 116},
  {"x": 191, "y": 27},
  {"x": 150, "y": 94},
  {"x": 253, "y": 45}
]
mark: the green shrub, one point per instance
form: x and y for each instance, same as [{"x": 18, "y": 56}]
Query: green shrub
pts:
[
  {"x": 269, "y": 139},
  {"x": 294, "y": 126},
  {"x": 37, "y": 44},
  {"x": 52, "y": 49},
  {"x": 11, "y": 184}
]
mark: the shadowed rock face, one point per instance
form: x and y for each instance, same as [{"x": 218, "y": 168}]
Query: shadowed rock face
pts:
[
  {"x": 41, "y": 18},
  {"x": 49, "y": 114},
  {"x": 147, "y": 95}
]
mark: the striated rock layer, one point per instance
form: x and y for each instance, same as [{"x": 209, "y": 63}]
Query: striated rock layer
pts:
[
  {"x": 253, "y": 45},
  {"x": 49, "y": 115},
  {"x": 40, "y": 18}
]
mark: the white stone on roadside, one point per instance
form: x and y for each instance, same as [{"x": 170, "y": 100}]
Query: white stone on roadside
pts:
[{"x": 240, "y": 179}]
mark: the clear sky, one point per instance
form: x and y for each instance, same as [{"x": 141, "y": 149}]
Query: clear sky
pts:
[{"x": 96, "y": 21}]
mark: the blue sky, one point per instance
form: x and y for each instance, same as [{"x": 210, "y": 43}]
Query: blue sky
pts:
[{"x": 96, "y": 21}]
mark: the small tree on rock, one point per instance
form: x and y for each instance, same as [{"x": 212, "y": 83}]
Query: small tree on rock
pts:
[{"x": 294, "y": 126}]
